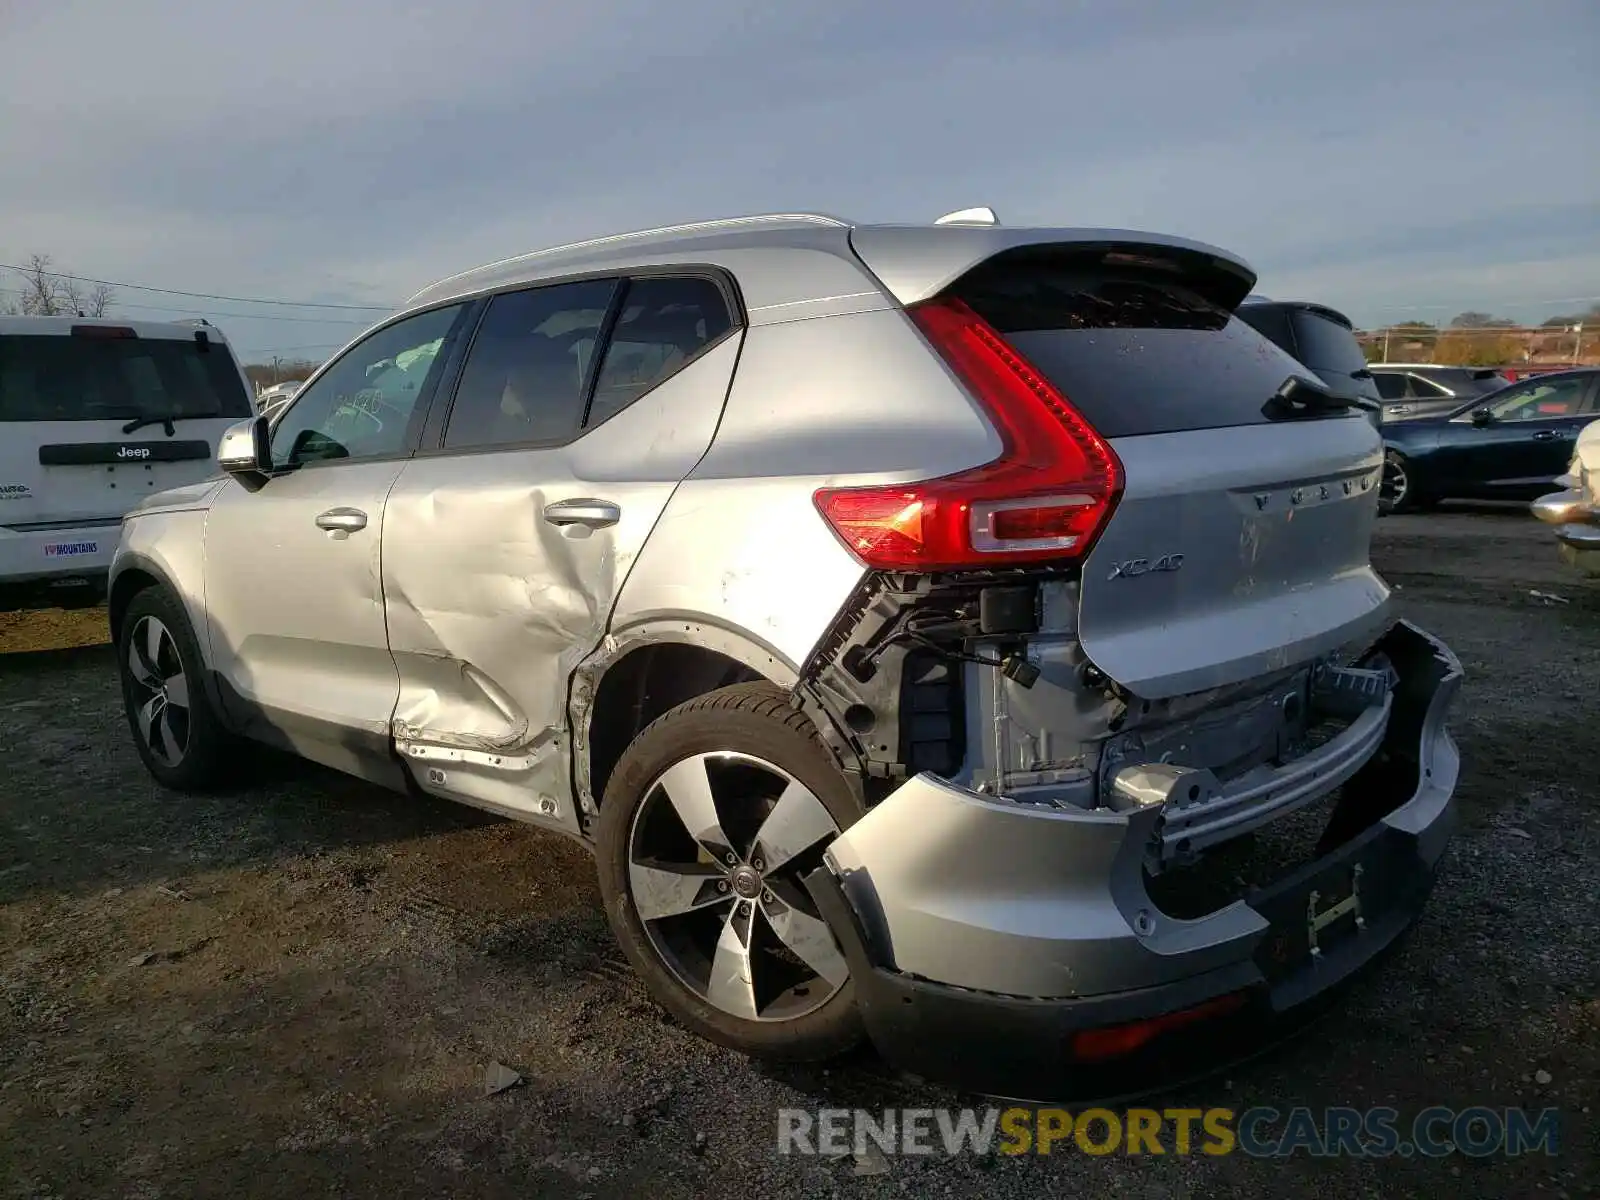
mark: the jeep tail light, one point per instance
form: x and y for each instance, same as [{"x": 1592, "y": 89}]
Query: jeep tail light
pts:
[
  {"x": 1044, "y": 499},
  {"x": 103, "y": 331}
]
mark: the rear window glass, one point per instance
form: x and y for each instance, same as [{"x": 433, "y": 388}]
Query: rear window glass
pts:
[
  {"x": 1326, "y": 345},
  {"x": 1468, "y": 382},
  {"x": 1135, "y": 353},
  {"x": 67, "y": 378},
  {"x": 1271, "y": 322}
]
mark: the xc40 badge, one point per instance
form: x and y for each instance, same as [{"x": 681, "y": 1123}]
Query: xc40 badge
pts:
[{"x": 1132, "y": 567}]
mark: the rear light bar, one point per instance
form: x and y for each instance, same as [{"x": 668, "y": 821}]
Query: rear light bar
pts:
[
  {"x": 1114, "y": 1041},
  {"x": 1045, "y": 499},
  {"x": 103, "y": 331}
]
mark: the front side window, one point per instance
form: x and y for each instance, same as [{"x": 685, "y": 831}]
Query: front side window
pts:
[
  {"x": 1390, "y": 385},
  {"x": 1424, "y": 389},
  {"x": 1542, "y": 400},
  {"x": 363, "y": 405}
]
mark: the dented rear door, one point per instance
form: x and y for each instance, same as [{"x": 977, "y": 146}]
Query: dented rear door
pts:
[{"x": 506, "y": 546}]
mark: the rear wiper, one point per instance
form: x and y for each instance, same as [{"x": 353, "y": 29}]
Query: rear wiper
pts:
[
  {"x": 165, "y": 420},
  {"x": 141, "y": 422},
  {"x": 1299, "y": 397}
]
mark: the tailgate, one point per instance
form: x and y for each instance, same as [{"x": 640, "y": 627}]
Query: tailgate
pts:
[
  {"x": 96, "y": 416},
  {"x": 76, "y": 473},
  {"x": 1239, "y": 545}
]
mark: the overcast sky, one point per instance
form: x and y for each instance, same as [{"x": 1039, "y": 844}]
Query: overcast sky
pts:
[{"x": 1402, "y": 160}]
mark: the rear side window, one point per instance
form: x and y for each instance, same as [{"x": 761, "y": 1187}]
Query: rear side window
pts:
[
  {"x": 71, "y": 378},
  {"x": 523, "y": 382},
  {"x": 1391, "y": 386},
  {"x": 1326, "y": 345},
  {"x": 1136, "y": 353},
  {"x": 665, "y": 322}
]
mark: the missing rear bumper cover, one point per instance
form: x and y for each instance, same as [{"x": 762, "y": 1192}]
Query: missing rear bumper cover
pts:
[{"x": 964, "y": 906}]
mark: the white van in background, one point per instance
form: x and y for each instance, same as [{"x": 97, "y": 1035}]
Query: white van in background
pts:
[{"x": 96, "y": 414}]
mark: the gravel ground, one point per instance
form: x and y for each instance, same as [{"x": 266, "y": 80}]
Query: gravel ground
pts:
[{"x": 295, "y": 989}]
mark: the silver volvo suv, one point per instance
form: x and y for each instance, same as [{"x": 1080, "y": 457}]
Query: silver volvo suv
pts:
[{"x": 919, "y": 623}]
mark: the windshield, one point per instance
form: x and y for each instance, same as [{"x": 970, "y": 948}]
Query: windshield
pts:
[{"x": 64, "y": 378}]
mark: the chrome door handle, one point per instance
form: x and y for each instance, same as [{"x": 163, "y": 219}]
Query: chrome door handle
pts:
[
  {"x": 596, "y": 514},
  {"x": 342, "y": 520},
  {"x": 1546, "y": 435}
]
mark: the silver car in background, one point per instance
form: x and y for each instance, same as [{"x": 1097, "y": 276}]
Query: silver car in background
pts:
[
  {"x": 1575, "y": 510},
  {"x": 275, "y": 397},
  {"x": 908, "y": 617}
]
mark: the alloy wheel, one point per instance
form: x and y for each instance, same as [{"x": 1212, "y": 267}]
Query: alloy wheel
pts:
[
  {"x": 1395, "y": 484},
  {"x": 161, "y": 690},
  {"x": 715, "y": 857}
]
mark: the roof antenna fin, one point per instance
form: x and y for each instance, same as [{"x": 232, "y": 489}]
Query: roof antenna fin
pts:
[{"x": 970, "y": 216}]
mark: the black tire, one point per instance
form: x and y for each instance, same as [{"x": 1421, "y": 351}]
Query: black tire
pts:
[
  {"x": 757, "y": 720},
  {"x": 209, "y": 752}
]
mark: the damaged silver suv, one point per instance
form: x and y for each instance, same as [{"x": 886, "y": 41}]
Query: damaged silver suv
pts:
[{"x": 955, "y": 635}]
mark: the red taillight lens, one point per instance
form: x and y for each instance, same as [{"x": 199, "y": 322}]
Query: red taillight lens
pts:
[
  {"x": 1045, "y": 498},
  {"x": 103, "y": 331},
  {"x": 1113, "y": 1041}
]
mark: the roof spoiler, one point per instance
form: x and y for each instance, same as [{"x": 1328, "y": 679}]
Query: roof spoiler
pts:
[{"x": 915, "y": 263}]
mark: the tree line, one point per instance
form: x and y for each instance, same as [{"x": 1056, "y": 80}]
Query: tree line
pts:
[
  {"x": 42, "y": 292},
  {"x": 1481, "y": 339}
]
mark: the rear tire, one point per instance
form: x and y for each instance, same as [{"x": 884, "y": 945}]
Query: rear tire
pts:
[
  {"x": 175, "y": 729},
  {"x": 709, "y": 821}
]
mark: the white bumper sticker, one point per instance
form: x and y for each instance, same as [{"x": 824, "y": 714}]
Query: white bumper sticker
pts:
[{"x": 70, "y": 549}]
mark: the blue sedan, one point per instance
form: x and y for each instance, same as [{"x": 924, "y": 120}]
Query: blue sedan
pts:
[{"x": 1511, "y": 445}]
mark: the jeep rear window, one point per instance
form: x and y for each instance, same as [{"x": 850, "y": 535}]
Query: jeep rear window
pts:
[
  {"x": 1136, "y": 352},
  {"x": 63, "y": 378}
]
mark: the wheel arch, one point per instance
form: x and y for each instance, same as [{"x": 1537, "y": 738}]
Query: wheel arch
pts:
[
  {"x": 644, "y": 671},
  {"x": 134, "y": 573}
]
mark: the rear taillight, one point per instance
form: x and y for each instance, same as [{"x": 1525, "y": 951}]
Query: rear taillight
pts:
[
  {"x": 103, "y": 331},
  {"x": 1046, "y": 497}
]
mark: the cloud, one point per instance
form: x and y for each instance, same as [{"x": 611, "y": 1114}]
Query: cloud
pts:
[{"x": 356, "y": 150}]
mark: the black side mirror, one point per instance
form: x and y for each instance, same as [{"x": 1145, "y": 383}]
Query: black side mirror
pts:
[{"x": 1482, "y": 416}]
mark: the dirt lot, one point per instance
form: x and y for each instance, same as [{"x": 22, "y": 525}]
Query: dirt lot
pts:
[{"x": 295, "y": 989}]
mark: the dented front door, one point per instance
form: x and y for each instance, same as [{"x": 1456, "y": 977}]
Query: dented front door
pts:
[{"x": 501, "y": 568}]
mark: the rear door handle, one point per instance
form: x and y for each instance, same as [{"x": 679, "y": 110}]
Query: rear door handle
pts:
[
  {"x": 1546, "y": 435},
  {"x": 342, "y": 520},
  {"x": 596, "y": 514}
]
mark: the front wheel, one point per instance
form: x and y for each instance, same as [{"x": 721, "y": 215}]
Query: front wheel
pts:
[
  {"x": 175, "y": 729},
  {"x": 710, "y": 821}
]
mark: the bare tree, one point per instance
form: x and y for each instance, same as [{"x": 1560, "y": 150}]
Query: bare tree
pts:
[{"x": 47, "y": 293}]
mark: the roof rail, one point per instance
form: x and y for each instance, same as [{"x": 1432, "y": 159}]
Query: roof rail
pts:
[{"x": 690, "y": 227}]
